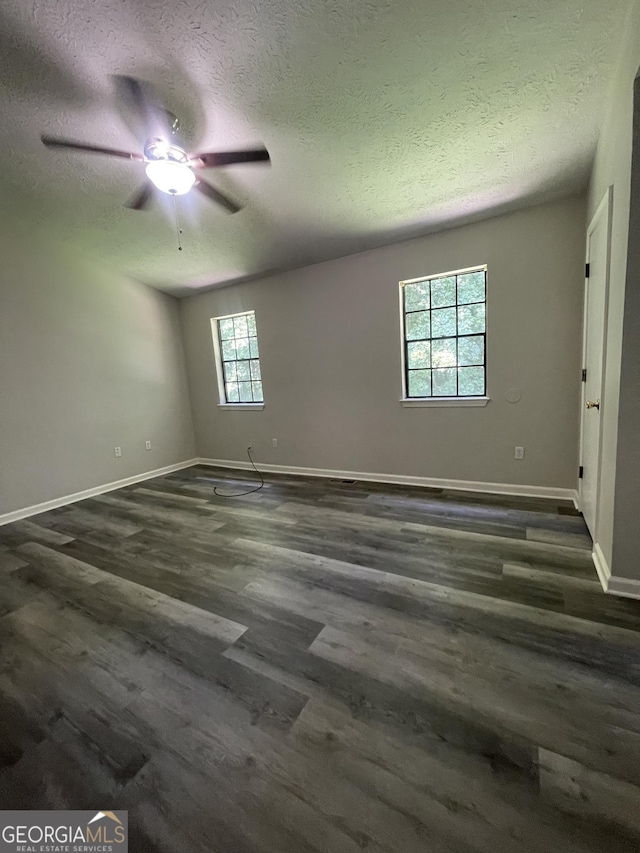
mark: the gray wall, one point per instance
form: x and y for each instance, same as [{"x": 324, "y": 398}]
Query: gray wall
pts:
[
  {"x": 88, "y": 360},
  {"x": 613, "y": 167},
  {"x": 330, "y": 351},
  {"x": 626, "y": 533}
]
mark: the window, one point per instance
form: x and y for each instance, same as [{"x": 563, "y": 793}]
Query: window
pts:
[
  {"x": 235, "y": 341},
  {"x": 444, "y": 335}
]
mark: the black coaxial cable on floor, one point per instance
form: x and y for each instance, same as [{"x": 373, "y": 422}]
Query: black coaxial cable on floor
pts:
[{"x": 251, "y": 491}]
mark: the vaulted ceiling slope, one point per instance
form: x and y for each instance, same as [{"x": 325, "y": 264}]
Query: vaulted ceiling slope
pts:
[{"x": 384, "y": 119}]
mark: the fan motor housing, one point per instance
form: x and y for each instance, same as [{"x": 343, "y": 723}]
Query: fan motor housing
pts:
[{"x": 158, "y": 149}]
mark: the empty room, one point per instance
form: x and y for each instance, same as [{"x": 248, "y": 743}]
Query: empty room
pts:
[{"x": 319, "y": 406}]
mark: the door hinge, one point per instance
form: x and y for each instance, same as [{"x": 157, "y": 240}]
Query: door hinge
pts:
[
  {"x": 587, "y": 270},
  {"x": 581, "y": 472},
  {"x": 584, "y": 374}
]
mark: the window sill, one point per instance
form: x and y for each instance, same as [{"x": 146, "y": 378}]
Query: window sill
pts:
[
  {"x": 426, "y": 402},
  {"x": 252, "y": 407}
]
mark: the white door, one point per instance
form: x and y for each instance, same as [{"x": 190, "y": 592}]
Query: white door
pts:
[{"x": 595, "y": 320}]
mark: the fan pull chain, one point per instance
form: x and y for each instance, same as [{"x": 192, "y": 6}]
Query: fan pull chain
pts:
[{"x": 178, "y": 228}]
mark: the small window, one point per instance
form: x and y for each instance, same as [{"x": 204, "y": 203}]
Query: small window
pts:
[
  {"x": 444, "y": 334},
  {"x": 235, "y": 341}
]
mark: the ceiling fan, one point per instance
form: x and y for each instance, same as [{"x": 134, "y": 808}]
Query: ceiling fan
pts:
[{"x": 168, "y": 166}]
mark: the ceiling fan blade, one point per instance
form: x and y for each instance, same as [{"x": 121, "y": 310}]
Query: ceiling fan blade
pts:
[
  {"x": 146, "y": 104},
  {"x": 52, "y": 142},
  {"x": 215, "y": 195},
  {"x": 140, "y": 199},
  {"x": 132, "y": 89},
  {"x": 227, "y": 158}
]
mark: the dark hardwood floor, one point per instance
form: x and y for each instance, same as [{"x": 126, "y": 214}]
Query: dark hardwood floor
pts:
[{"x": 320, "y": 666}]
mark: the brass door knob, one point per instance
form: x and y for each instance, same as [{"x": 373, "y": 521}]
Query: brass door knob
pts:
[{"x": 593, "y": 405}]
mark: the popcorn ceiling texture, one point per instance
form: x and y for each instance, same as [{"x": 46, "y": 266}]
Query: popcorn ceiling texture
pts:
[{"x": 384, "y": 120}]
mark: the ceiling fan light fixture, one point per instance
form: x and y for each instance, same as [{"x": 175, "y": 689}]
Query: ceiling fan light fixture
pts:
[
  {"x": 168, "y": 166},
  {"x": 170, "y": 176}
]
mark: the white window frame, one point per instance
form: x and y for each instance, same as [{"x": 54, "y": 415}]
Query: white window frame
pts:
[
  {"x": 223, "y": 404},
  {"x": 435, "y": 402}
]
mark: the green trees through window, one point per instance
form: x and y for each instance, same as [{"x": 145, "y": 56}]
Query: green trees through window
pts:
[
  {"x": 240, "y": 359},
  {"x": 445, "y": 335}
]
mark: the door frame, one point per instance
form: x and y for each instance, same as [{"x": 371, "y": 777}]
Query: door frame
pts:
[{"x": 605, "y": 207}]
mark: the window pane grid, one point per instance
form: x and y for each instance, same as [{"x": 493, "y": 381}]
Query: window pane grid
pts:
[
  {"x": 445, "y": 354},
  {"x": 238, "y": 341}
]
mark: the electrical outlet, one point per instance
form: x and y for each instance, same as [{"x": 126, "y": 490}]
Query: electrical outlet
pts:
[
  {"x": 117, "y": 452},
  {"x": 147, "y": 445},
  {"x": 519, "y": 453},
  {"x": 274, "y": 441}
]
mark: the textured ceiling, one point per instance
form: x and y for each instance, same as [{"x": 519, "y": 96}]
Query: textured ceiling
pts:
[{"x": 383, "y": 119}]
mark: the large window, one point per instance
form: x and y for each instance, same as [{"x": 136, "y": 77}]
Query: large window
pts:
[
  {"x": 237, "y": 358},
  {"x": 444, "y": 334}
]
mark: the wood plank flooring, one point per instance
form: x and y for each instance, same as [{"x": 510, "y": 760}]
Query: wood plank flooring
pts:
[{"x": 320, "y": 666}]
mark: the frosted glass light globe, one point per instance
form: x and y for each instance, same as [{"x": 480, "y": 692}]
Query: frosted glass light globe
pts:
[{"x": 171, "y": 177}]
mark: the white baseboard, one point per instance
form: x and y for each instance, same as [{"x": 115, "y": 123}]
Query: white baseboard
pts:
[
  {"x": 18, "y": 514},
  {"x": 624, "y": 587},
  {"x": 404, "y": 480},
  {"x": 602, "y": 567}
]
